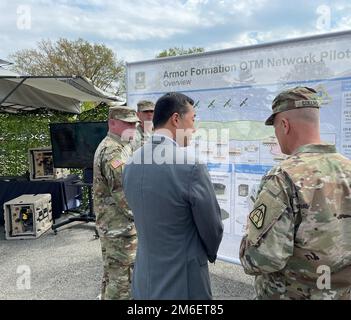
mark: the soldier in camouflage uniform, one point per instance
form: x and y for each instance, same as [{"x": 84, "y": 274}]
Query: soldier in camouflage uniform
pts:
[
  {"x": 299, "y": 231},
  {"x": 114, "y": 220},
  {"x": 145, "y": 114}
]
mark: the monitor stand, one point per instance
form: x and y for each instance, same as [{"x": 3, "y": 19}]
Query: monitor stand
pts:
[{"x": 87, "y": 216}]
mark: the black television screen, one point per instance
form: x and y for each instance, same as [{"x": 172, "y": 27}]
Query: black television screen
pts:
[{"x": 74, "y": 144}]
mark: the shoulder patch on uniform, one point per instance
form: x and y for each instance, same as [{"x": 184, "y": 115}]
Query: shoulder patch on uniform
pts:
[
  {"x": 257, "y": 215},
  {"x": 116, "y": 163}
]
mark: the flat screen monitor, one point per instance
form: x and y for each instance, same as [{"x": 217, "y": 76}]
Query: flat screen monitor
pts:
[{"x": 74, "y": 144}]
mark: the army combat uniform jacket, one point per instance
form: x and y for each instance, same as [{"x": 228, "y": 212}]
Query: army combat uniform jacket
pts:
[
  {"x": 114, "y": 220},
  {"x": 298, "y": 241},
  {"x": 140, "y": 137}
]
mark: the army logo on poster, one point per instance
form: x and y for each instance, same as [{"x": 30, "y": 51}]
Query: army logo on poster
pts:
[
  {"x": 140, "y": 80},
  {"x": 257, "y": 216}
]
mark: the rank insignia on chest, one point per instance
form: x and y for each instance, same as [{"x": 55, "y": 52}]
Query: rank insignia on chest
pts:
[
  {"x": 257, "y": 216},
  {"x": 116, "y": 163}
]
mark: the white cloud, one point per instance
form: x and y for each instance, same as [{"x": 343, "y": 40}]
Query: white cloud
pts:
[
  {"x": 131, "y": 55},
  {"x": 121, "y": 20},
  {"x": 140, "y": 20},
  {"x": 138, "y": 29},
  {"x": 344, "y": 23},
  {"x": 252, "y": 38},
  {"x": 342, "y": 15}
]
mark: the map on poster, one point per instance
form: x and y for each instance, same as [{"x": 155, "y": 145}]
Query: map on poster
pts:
[{"x": 233, "y": 92}]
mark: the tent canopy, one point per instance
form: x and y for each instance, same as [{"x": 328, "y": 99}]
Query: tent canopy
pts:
[
  {"x": 26, "y": 93},
  {"x": 4, "y": 62}
]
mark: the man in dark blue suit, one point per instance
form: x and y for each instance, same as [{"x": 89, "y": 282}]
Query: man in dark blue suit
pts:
[{"x": 176, "y": 213}]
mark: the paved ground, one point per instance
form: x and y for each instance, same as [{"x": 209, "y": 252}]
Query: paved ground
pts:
[{"x": 68, "y": 266}]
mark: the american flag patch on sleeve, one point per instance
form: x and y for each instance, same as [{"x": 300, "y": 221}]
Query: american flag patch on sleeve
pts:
[{"x": 116, "y": 163}]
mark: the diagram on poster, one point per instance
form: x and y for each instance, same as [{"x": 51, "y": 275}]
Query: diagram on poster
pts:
[
  {"x": 247, "y": 180},
  {"x": 221, "y": 178}
]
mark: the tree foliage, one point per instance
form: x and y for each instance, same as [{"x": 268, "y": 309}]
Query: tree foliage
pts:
[
  {"x": 66, "y": 58},
  {"x": 19, "y": 132},
  {"x": 176, "y": 51}
]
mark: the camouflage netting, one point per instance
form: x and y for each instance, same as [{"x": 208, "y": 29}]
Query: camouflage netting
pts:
[{"x": 20, "y": 132}]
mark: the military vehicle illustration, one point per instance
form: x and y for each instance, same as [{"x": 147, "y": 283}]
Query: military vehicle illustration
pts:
[
  {"x": 243, "y": 190},
  {"x": 270, "y": 141},
  {"x": 235, "y": 151},
  {"x": 219, "y": 188},
  {"x": 251, "y": 148}
]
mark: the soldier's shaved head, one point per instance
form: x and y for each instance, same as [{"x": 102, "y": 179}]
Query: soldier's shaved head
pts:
[
  {"x": 308, "y": 116},
  {"x": 297, "y": 127}
]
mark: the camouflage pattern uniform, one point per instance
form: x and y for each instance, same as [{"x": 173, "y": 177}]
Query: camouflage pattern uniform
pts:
[
  {"x": 142, "y": 136},
  {"x": 301, "y": 223},
  {"x": 114, "y": 220}
]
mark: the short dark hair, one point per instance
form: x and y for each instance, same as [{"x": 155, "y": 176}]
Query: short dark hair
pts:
[{"x": 168, "y": 104}]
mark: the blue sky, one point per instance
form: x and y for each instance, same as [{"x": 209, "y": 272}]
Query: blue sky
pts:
[{"x": 139, "y": 29}]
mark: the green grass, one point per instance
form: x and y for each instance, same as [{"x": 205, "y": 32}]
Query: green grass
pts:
[{"x": 238, "y": 130}]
